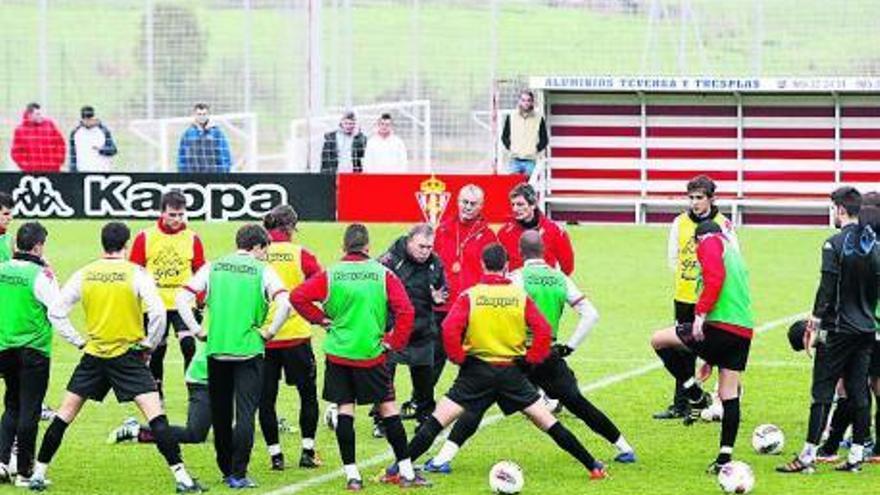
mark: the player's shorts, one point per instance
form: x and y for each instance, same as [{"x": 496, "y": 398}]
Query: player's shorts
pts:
[
  {"x": 351, "y": 385},
  {"x": 719, "y": 347},
  {"x": 479, "y": 384},
  {"x": 874, "y": 367},
  {"x": 126, "y": 374},
  {"x": 421, "y": 354},
  {"x": 297, "y": 363},
  {"x": 684, "y": 312},
  {"x": 555, "y": 378}
]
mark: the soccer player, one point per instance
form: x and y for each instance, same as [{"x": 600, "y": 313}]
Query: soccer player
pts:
[
  {"x": 171, "y": 253},
  {"x": 459, "y": 242},
  {"x": 720, "y": 334},
  {"x": 682, "y": 257},
  {"x": 6, "y": 206},
  {"x": 112, "y": 292},
  {"x": 844, "y": 322},
  {"x": 28, "y": 288},
  {"x": 558, "y": 251},
  {"x": 485, "y": 333},
  {"x": 551, "y": 291},
  {"x": 356, "y": 294},
  {"x": 198, "y": 412},
  {"x": 291, "y": 349},
  {"x": 240, "y": 287}
]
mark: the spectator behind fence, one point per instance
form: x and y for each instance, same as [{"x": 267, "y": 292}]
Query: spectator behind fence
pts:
[
  {"x": 203, "y": 145},
  {"x": 386, "y": 153},
  {"x": 37, "y": 146},
  {"x": 344, "y": 148},
  {"x": 524, "y": 135},
  {"x": 91, "y": 145}
]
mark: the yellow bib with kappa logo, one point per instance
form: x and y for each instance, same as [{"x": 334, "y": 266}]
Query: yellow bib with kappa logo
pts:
[
  {"x": 114, "y": 321},
  {"x": 496, "y": 330},
  {"x": 286, "y": 259},
  {"x": 169, "y": 261},
  {"x": 687, "y": 270}
]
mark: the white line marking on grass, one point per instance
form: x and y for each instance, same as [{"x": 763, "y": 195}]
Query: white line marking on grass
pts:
[{"x": 386, "y": 457}]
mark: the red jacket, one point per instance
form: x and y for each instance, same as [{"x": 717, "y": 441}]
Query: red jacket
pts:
[
  {"x": 316, "y": 289},
  {"x": 710, "y": 255},
  {"x": 557, "y": 245},
  {"x": 460, "y": 245},
  {"x": 37, "y": 147},
  {"x": 456, "y": 323}
]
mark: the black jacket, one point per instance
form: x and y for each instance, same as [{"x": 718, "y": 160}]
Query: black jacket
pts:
[
  {"x": 417, "y": 278},
  {"x": 846, "y": 300},
  {"x": 330, "y": 153}
]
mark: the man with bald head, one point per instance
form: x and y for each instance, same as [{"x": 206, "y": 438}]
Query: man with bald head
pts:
[
  {"x": 459, "y": 242},
  {"x": 551, "y": 290}
]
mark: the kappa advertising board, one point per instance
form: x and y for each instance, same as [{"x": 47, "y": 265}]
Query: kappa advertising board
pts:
[{"x": 213, "y": 197}]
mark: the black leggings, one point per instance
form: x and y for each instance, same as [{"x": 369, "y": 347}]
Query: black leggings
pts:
[{"x": 26, "y": 375}]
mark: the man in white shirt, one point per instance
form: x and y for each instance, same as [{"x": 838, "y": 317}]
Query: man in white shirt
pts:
[
  {"x": 91, "y": 145},
  {"x": 386, "y": 152}
]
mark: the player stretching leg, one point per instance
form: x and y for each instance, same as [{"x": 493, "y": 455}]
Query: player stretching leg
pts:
[
  {"x": 485, "y": 333},
  {"x": 551, "y": 290},
  {"x": 112, "y": 291},
  {"x": 721, "y": 333}
]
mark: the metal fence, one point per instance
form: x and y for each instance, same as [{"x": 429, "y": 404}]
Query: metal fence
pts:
[{"x": 143, "y": 63}]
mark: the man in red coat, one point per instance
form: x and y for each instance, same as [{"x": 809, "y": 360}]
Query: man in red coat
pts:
[
  {"x": 526, "y": 216},
  {"x": 459, "y": 241},
  {"x": 37, "y": 146}
]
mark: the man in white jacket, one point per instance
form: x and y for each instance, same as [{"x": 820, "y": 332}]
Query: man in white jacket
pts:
[
  {"x": 386, "y": 152},
  {"x": 91, "y": 145}
]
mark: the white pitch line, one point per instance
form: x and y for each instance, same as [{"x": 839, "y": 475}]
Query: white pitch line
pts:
[{"x": 386, "y": 457}]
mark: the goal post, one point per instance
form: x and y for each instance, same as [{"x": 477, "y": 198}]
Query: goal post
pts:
[
  {"x": 162, "y": 137},
  {"x": 412, "y": 123}
]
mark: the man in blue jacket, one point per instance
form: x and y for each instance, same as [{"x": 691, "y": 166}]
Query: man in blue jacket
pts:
[{"x": 203, "y": 145}]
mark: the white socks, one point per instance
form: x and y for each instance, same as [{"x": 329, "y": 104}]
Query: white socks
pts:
[
  {"x": 856, "y": 453},
  {"x": 622, "y": 445},
  {"x": 274, "y": 449},
  {"x": 180, "y": 474},
  {"x": 405, "y": 468},
  {"x": 308, "y": 444},
  {"x": 447, "y": 452},
  {"x": 39, "y": 471},
  {"x": 351, "y": 471},
  {"x": 808, "y": 454}
]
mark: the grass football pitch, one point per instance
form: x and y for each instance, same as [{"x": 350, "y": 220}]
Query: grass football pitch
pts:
[{"x": 623, "y": 270}]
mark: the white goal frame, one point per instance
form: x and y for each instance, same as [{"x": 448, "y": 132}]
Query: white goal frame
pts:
[{"x": 241, "y": 129}]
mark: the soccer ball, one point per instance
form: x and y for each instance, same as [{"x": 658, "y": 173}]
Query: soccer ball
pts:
[
  {"x": 506, "y": 477},
  {"x": 331, "y": 416},
  {"x": 736, "y": 477},
  {"x": 768, "y": 439}
]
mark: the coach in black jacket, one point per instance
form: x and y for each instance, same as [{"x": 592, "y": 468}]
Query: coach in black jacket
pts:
[
  {"x": 344, "y": 148},
  {"x": 413, "y": 260}
]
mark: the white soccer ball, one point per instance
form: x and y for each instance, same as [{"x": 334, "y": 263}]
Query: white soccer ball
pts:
[
  {"x": 768, "y": 439},
  {"x": 736, "y": 477},
  {"x": 331, "y": 416},
  {"x": 506, "y": 477}
]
